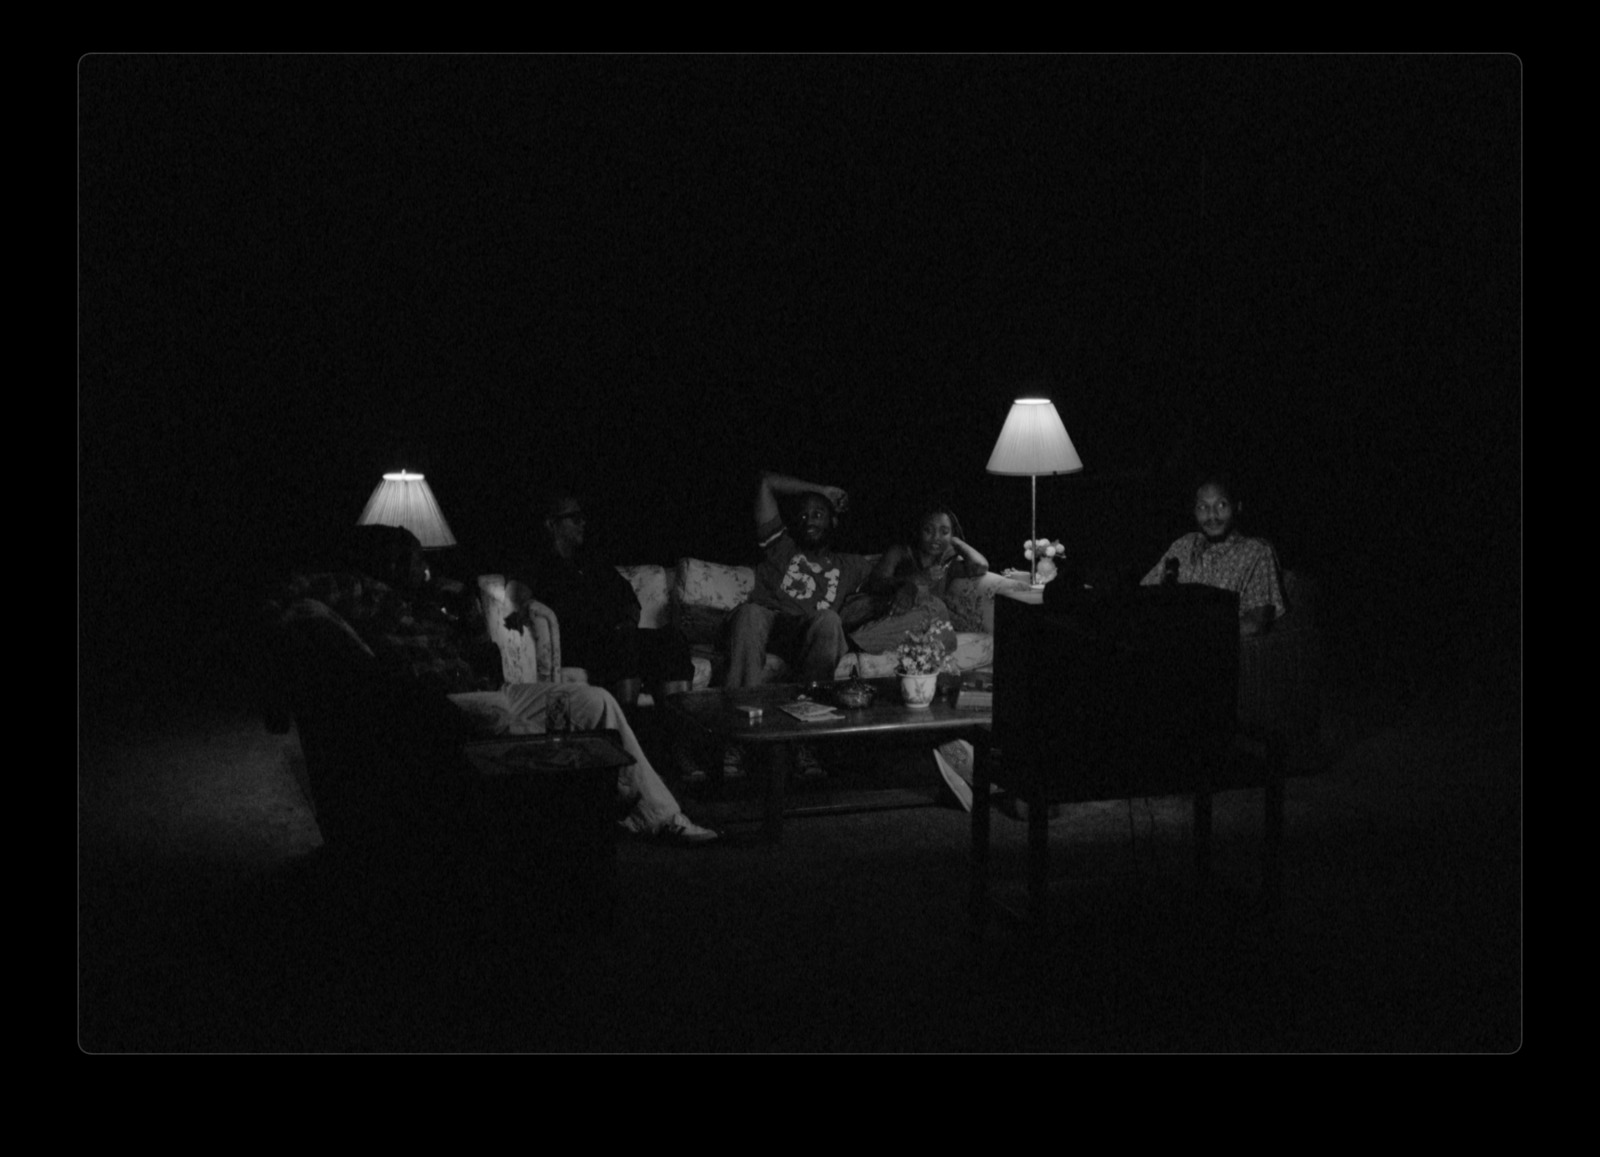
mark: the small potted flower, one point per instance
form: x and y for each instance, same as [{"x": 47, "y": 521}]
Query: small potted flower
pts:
[
  {"x": 1043, "y": 554},
  {"x": 922, "y": 656}
]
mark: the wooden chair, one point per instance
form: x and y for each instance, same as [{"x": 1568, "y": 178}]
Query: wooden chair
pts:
[
  {"x": 1280, "y": 680},
  {"x": 1111, "y": 696}
]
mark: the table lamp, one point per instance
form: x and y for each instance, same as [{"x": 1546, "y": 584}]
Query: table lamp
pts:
[
  {"x": 403, "y": 499},
  {"x": 1033, "y": 442}
]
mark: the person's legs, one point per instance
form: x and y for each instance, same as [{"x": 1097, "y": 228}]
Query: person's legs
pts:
[
  {"x": 821, "y": 648},
  {"x": 887, "y": 633},
  {"x": 749, "y": 629},
  {"x": 611, "y": 660},
  {"x": 626, "y": 691},
  {"x": 813, "y": 646},
  {"x": 591, "y": 709},
  {"x": 519, "y": 709},
  {"x": 664, "y": 656},
  {"x": 516, "y": 709},
  {"x": 666, "y": 664},
  {"x": 594, "y": 709}
]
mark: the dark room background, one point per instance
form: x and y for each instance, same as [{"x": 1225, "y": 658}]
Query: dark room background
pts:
[{"x": 652, "y": 276}]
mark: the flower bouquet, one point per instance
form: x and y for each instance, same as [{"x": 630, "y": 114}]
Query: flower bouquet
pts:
[
  {"x": 1043, "y": 553},
  {"x": 927, "y": 652},
  {"x": 921, "y": 658}
]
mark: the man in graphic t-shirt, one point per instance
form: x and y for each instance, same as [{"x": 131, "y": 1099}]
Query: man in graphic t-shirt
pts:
[{"x": 801, "y": 583}]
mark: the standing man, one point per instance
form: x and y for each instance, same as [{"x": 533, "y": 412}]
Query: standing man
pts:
[{"x": 801, "y": 583}]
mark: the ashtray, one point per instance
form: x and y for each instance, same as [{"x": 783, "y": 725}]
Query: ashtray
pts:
[{"x": 854, "y": 694}]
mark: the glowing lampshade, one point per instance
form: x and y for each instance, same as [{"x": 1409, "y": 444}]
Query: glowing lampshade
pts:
[
  {"x": 1033, "y": 442},
  {"x": 403, "y": 499}
]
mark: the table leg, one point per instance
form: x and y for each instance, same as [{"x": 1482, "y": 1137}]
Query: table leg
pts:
[
  {"x": 978, "y": 895},
  {"x": 778, "y": 768}
]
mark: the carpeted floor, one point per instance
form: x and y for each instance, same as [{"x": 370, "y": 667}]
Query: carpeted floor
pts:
[{"x": 208, "y": 923}]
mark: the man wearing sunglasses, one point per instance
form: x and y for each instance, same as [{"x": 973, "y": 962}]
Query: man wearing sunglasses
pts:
[{"x": 599, "y": 613}]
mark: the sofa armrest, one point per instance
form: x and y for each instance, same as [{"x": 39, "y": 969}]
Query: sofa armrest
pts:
[
  {"x": 971, "y": 601},
  {"x": 530, "y": 651}
]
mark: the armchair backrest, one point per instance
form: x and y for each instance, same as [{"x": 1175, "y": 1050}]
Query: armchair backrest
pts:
[
  {"x": 376, "y": 746},
  {"x": 1102, "y": 695}
]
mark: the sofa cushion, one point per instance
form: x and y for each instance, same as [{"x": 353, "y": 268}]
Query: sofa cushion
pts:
[
  {"x": 704, "y": 593},
  {"x": 712, "y": 584}
]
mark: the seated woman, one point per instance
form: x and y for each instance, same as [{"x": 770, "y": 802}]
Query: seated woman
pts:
[
  {"x": 915, "y": 577},
  {"x": 911, "y": 579},
  {"x": 393, "y": 607},
  {"x": 1219, "y": 556},
  {"x": 599, "y": 612}
]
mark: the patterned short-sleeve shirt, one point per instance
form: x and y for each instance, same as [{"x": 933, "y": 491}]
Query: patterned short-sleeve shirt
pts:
[
  {"x": 796, "y": 581},
  {"x": 1248, "y": 566}
]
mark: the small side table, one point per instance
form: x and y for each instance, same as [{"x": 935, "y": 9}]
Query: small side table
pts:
[{"x": 543, "y": 823}]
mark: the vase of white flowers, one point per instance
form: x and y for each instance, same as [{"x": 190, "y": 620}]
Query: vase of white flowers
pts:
[
  {"x": 922, "y": 656},
  {"x": 1042, "y": 552}
]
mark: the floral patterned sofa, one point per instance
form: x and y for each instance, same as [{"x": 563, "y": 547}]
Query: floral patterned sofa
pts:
[{"x": 697, "y": 597}]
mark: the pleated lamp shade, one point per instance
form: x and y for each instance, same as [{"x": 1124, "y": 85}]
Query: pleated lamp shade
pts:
[
  {"x": 403, "y": 499},
  {"x": 1034, "y": 441}
]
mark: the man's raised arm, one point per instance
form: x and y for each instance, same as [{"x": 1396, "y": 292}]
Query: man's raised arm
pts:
[{"x": 772, "y": 485}]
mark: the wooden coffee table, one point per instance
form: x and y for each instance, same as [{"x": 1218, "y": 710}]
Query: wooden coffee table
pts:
[{"x": 726, "y": 716}]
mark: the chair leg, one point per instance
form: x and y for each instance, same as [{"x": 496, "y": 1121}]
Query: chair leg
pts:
[{"x": 978, "y": 895}]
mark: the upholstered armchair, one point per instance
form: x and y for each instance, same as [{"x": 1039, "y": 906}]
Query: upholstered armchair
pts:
[
  {"x": 384, "y": 771},
  {"x": 1114, "y": 695}
]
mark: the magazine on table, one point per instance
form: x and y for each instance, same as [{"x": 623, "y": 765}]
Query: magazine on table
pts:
[{"x": 808, "y": 712}]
